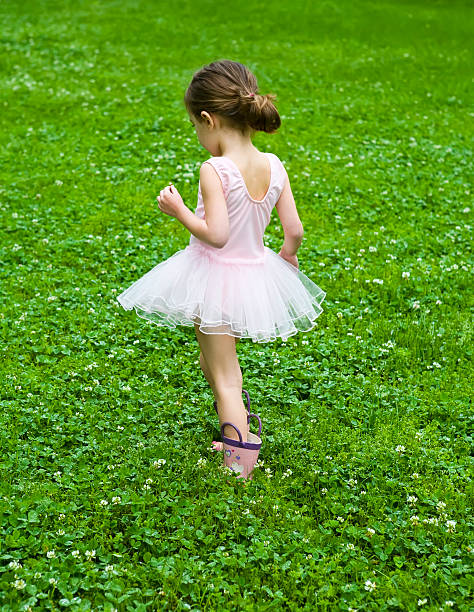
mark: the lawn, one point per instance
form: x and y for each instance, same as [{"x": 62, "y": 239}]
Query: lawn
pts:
[{"x": 110, "y": 496}]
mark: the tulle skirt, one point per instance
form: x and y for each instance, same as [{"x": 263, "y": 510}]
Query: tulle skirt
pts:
[{"x": 260, "y": 299}]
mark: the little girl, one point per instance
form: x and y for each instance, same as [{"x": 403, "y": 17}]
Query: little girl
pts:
[{"x": 226, "y": 282}]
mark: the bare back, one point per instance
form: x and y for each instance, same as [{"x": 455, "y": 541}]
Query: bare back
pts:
[{"x": 255, "y": 171}]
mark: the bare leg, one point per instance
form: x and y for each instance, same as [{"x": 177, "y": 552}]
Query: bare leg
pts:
[
  {"x": 207, "y": 373},
  {"x": 222, "y": 366}
]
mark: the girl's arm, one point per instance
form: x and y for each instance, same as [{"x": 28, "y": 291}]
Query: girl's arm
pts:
[
  {"x": 214, "y": 228},
  {"x": 291, "y": 223}
]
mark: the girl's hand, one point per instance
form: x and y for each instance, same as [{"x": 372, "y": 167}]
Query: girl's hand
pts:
[
  {"x": 170, "y": 202},
  {"x": 292, "y": 259}
]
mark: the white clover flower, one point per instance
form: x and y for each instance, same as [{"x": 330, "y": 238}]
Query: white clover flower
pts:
[
  {"x": 117, "y": 499},
  {"x": 440, "y": 506},
  {"x": 370, "y": 531},
  {"x": 51, "y": 554},
  {"x": 372, "y": 249},
  {"x": 406, "y": 274},
  {"x": 449, "y": 603},
  {"x": 451, "y": 525},
  {"x": 416, "y": 304},
  {"x": 60, "y": 532},
  {"x": 90, "y": 554},
  {"x": 109, "y": 568},
  {"x": 414, "y": 519},
  {"x": 324, "y": 491},
  {"x": 400, "y": 449},
  {"x": 422, "y": 602},
  {"x": 339, "y": 315},
  {"x": 19, "y": 584},
  {"x": 53, "y": 581},
  {"x": 412, "y": 499},
  {"x": 76, "y": 554},
  {"x": 15, "y": 564},
  {"x": 370, "y": 586},
  {"x": 159, "y": 462},
  {"x": 340, "y": 519}
]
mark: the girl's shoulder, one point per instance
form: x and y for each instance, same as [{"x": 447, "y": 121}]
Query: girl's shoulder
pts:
[
  {"x": 223, "y": 171},
  {"x": 278, "y": 163}
]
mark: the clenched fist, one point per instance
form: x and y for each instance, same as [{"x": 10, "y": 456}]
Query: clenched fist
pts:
[{"x": 169, "y": 201}]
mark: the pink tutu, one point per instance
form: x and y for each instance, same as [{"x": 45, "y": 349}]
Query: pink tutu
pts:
[
  {"x": 262, "y": 301},
  {"x": 243, "y": 289}
]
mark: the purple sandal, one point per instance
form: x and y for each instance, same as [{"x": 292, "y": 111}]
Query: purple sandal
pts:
[
  {"x": 240, "y": 456},
  {"x": 218, "y": 446}
]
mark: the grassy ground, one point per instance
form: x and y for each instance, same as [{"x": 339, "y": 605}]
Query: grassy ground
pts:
[{"x": 110, "y": 498}]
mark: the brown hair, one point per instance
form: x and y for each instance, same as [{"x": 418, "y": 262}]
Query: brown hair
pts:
[{"x": 229, "y": 89}]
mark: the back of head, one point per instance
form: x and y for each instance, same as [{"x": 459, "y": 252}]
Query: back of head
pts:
[{"x": 229, "y": 89}]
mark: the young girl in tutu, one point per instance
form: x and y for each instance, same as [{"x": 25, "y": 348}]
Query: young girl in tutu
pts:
[{"x": 226, "y": 282}]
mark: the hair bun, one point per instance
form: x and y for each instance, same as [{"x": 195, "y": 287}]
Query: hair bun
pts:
[{"x": 263, "y": 115}]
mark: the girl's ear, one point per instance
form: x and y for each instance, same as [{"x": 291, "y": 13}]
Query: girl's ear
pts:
[{"x": 208, "y": 119}]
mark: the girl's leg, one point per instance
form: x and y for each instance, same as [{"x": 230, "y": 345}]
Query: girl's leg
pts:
[
  {"x": 206, "y": 371},
  {"x": 220, "y": 359}
]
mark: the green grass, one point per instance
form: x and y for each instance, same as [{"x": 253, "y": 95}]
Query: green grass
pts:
[{"x": 367, "y": 418}]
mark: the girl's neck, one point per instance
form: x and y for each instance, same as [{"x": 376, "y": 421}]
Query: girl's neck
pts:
[{"x": 235, "y": 144}]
